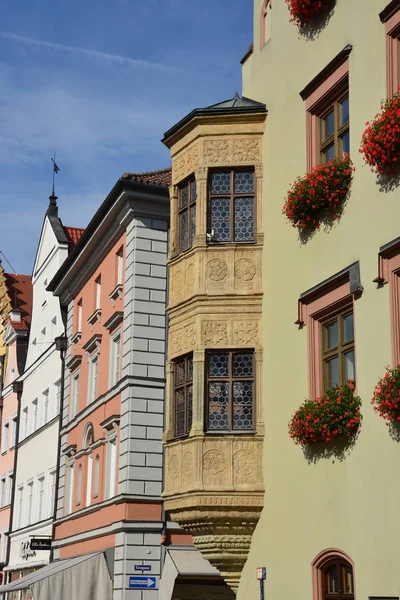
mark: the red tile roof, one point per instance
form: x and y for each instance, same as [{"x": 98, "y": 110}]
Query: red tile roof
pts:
[
  {"x": 73, "y": 234},
  {"x": 161, "y": 177},
  {"x": 20, "y": 293}
]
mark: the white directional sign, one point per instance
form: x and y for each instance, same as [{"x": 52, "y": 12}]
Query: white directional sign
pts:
[{"x": 142, "y": 582}]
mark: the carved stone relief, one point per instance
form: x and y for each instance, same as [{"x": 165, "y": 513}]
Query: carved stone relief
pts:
[
  {"x": 176, "y": 285},
  {"x": 216, "y": 272},
  {"x": 247, "y": 150},
  {"x": 245, "y": 333},
  {"x": 173, "y": 467},
  {"x": 214, "y": 463},
  {"x": 215, "y": 333},
  {"x": 190, "y": 278},
  {"x": 216, "y": 151},
  {"x": 245, "y": 271},
  {"x": 187, "y": 466},
  {"x": 182, "y": 340},
  {"x": 244, "y": 463},
  {"x": 185, "y": 163}
]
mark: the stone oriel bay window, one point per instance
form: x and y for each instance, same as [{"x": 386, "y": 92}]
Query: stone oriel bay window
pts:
[
  {"x": 389, "y": 272},
  {"x": 327, "y": 311},
  {"x": 390, "y": 16},
  {"x": 327, "y": 111}
]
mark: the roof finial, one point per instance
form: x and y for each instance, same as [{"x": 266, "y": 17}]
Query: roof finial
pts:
[
  {"x": 53, "y": 198},
  {"x": 236, "y": 96}
]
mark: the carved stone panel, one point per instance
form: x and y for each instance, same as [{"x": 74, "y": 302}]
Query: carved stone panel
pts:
[
  {"x": 245, "y": 272},
  {"x": 182, "y": 340},
  {"x": 246, "y": 333},
  {"x": 185, "y": 163},
  {"x": 190, "y": 278},
  {"x": 214, "y": 467},
  {"x": 216, "y": 152},
  {"x": 246, "y": 150},
  {"x": 216, "y": 274},
  {"x": 214, "y": 333}
]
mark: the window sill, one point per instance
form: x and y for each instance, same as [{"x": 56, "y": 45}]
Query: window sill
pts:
[
  {"x": 116, "y": 293},
  {"x": 95, "y": 316},
  {"x": 76, "y": 337},
  {"x": 235, "y": 432},
  {"x": 233, "y": 243}
]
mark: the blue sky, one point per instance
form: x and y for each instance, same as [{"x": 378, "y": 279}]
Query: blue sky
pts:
[{"x": 99, "y": 82}]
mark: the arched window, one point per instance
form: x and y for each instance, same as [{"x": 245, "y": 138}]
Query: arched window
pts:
[
  {"x": 265, "y": 23},
  {"x": 333, "y": 576},
  {"x": 79, "y": 486},
  {"x": 96, "y": 476},
  {"x": 88, "y": 437}
]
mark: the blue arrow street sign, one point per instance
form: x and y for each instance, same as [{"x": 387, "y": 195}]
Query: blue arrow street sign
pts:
[{"x": 142, "y": 582}]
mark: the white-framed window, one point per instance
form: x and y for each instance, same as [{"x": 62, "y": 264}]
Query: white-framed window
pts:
[
  {"x": 34, "y": 414},
  {"x": 98, "y": 292},
  {"x": 10, "y": 484},
  {"x": 58, "y": 396},
  {"x": 20, "y": 505},
  {"x": 25, "y": 421},
  {"x": 14, "y": 421},
  {"x": 45, "y": 406},
  {"x": 40, "y": 497},
  {"x": 6, "y": 436},
  {"x": 89, "y": 479},
  {"x": 75, "y": 382},
  {"x": 79, "y": 321},
  {"x": 52, "y": 491},
  {"x": 2, "y": 491},
  {"x": 120, "y": 266},
  {"x": 79, "y": 486},
  {"x": 70, "y": 487},
  {"x": 29, "y": 513},
  {"x": 96, "y": 476},
  {"x": 115, "y": 358},
  {"x": 93, "y": 378},
  {"x": 111, "y": 466}
]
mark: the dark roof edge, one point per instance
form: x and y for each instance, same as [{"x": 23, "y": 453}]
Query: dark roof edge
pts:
[
  {"x": 101, "y": 212},
  {"x": 210, "y": 111},
  {"x": 248, "y": 53},
  {"x": 389, "y": 10},
  {"x": 326, "y": 71}
]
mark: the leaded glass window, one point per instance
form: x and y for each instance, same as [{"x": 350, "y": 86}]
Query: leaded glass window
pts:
[
  {"x": 231, "y": 206},
  {"x": 183, "y": 370},
  {"x": 230, "y": 389},
  {"x": 338, "y": 349},
  {"x": 187, "y": 214}
]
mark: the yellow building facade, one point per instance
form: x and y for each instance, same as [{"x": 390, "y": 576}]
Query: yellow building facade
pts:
[{"x": 326, "y": 508}]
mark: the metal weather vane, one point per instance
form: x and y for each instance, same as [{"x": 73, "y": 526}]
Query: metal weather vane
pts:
[{"x": 56, "y": 169}]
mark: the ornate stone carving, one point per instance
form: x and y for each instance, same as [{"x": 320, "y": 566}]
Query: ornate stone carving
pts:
[
  {"x": 245, "y": 333},
  {"x": 247, "y": 150},
  {"x": 173, "y": 467},
  {"x": 216, "y": 272},
  {"x": 216, "y": 151},
  {"x": 214, "y": 462},
  {"x": 176, "y": 285},
  {"x": 245, "y": 271},
  {"x": 190, "y": 278},
  {"x": 215, "y": 333},
  {"x": 244, "y": 463},
  {"x": 182, "y": 340},
  {"x": 187, "y": 465},
  {"x": 185, "y": 163}
]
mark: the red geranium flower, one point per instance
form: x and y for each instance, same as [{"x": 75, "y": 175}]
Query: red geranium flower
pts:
[
  {"x": 386, "y": 398},
  {"x": 303, "y": 11},
  {"x": 380, "y": 142},
  {"x": 322, "y": 190},
  {"x": 324, "y": 419}
]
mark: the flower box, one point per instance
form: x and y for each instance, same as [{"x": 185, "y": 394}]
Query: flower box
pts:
[
  {"x": 335, "y": 414},
  {"x": 380, "y": 142},
  {"x": 321, "y": 193},
  {"x": 386, "y": 398},
  {"x": 302, "y": 12}
]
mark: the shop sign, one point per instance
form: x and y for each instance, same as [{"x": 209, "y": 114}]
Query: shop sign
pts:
[
  {"x": 25, "y": 550},
  {"x": 40, "y": 543}
]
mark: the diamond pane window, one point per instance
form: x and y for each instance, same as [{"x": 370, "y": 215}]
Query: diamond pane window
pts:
[
  {"x": 183, "y": 370},
  {"x": 230, "y": 388},
  {"x": 338, "y": 355},
  {"x": 187, "y": 215},
  {"x": 231, "y": 206}
]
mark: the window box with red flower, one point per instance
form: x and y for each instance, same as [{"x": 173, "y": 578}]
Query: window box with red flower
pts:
[
  {"x": 302, "y": 12},
  {"x": 321, "y": 193},
  {"x": 380, "y": 143},
  {"x": 386, "y": 398},
  {"x": 335, "y": 414}
]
